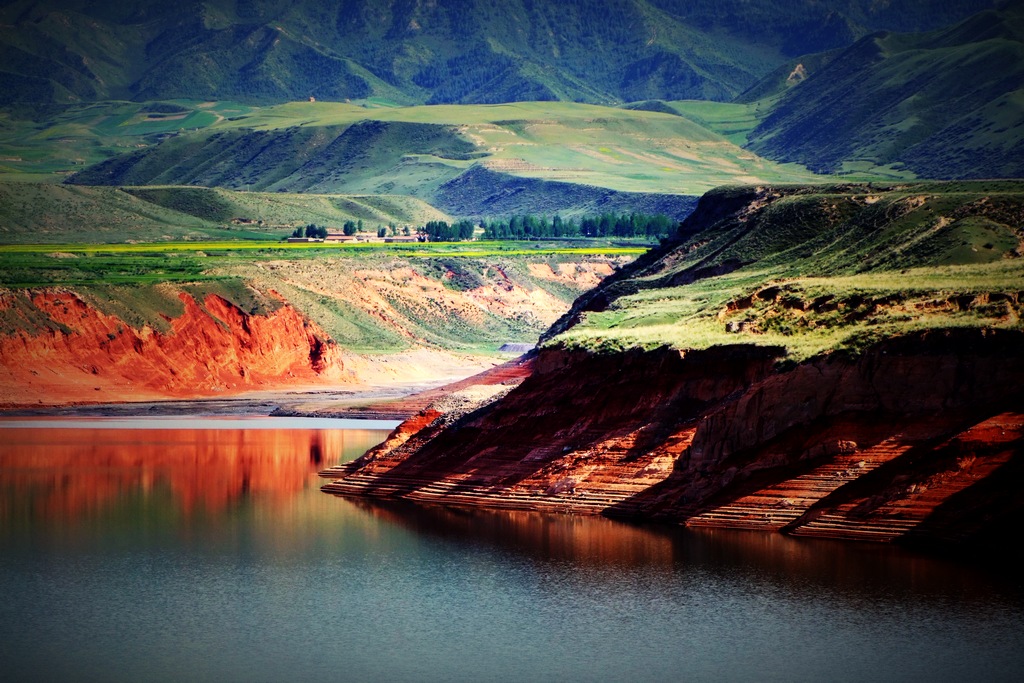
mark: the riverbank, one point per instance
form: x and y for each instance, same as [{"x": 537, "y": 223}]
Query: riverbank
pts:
[
  {"x": 821, "y": 361},
  {"x": 397, "y": 388}
]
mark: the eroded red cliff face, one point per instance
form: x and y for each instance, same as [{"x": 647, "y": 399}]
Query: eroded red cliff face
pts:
[
  {"x": 212, "y": 348},
  {"x": 917, "y": 437}
]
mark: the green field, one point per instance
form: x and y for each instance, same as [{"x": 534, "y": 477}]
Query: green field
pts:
[
  {"x": 733, "y": 121},
  {"x": 582, "y": 247}
]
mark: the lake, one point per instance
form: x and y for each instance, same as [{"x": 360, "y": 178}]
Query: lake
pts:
[{"x": 203, "y": 550}]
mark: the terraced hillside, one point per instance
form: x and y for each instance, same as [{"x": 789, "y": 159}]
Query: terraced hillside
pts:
[{"x": 842, "y": 361}]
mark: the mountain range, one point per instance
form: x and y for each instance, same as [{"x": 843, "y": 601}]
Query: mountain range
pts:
[
  {"x": 942, "y": 104},
  {"x": 418, "y": 51},
  {"x": 692, "y": 94}
]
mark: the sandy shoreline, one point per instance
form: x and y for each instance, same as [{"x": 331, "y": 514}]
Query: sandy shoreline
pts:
[
  {"x": 391, "y": 399},
  {"x": 386, "y": 383},
  {"x": 314, "y": 402}
]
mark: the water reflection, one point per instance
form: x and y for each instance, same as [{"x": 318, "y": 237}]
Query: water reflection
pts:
[
  {"x": 850, "y": 571},
  {"x": 198, "y": 554},
  {"x": 70, "y": 475}
]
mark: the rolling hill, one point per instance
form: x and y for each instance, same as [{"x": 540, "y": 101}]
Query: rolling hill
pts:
[{"x": 467, "y": 160}]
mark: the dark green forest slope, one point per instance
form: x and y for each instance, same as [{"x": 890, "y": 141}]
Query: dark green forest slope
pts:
[
  {"x": 468, "y": 51},
  {"x": 945, "y": 104}
]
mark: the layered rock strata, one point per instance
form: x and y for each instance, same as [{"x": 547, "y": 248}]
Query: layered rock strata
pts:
[
  {"x": 920, "y": 437},
  {"x": 81, "y": 354}
]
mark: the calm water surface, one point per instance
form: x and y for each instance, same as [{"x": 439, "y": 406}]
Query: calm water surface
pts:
[{"x": 203, "y": 550}]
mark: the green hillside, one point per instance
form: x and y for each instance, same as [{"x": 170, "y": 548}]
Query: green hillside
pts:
[
  {"x": 946, "y": 104},
  {"x": 579, "y": 152},
  {"x": 460, "y": 51},
  {"x": 49, "y": 214},
  {"x": 818, "y": 268},
  {"x": 53, "y": 143}
]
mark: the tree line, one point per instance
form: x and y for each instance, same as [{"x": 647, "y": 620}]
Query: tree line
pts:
[
  {"x": 320, "y": 231},
  {"x": 441, "y": 231},
  {"x": 602, "y": 225},
  {"x": 521, "y": 227}
]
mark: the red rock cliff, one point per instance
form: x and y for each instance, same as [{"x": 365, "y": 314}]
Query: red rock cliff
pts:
[
  {"x": 212, "y": 348},
  {"x": 919, "y": 437}
]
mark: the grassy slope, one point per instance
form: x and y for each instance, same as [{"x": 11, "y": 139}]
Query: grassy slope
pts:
[
  {"x": 814, "y": 269},
  {"x": 57, "y": 214},
  {"x": 418, "y": 148},
  {"x": 947, "y": 104},
  {"x": 69, "y": 139}
]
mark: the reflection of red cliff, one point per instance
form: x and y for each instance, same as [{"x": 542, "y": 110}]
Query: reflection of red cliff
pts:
[
  {"x": 921, "y": 436},
  {"x": 213, "y": 347},
  {"x": 68, "y": 474}
]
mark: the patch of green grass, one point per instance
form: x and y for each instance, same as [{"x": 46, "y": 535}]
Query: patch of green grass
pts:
[
  {"x": 42, "y": 269},
  {"x": 733, "y": 121},
  {"x": 417, "y": 250},
  {"x": 137, "y": 304},
  {"x": 352, "y": 328}
]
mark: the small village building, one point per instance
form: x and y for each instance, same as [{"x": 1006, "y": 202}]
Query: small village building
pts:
[{"x": 340, "y": 237}]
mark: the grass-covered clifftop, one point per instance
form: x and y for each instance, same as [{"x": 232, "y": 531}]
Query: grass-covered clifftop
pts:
[{"x": 815, "y": 269}]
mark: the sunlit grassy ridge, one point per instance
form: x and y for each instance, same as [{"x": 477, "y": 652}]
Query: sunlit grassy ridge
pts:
[
  {"x": 50, "y": 147},
  {"x": 815, "y": 269},
  {"x": 637, "y": 151},
  {"x": 408, "y": 150}
]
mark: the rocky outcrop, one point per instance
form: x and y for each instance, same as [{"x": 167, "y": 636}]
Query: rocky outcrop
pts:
[
  {"x": 919, "y": 438},
  {"x": 72, "y": 352}
]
